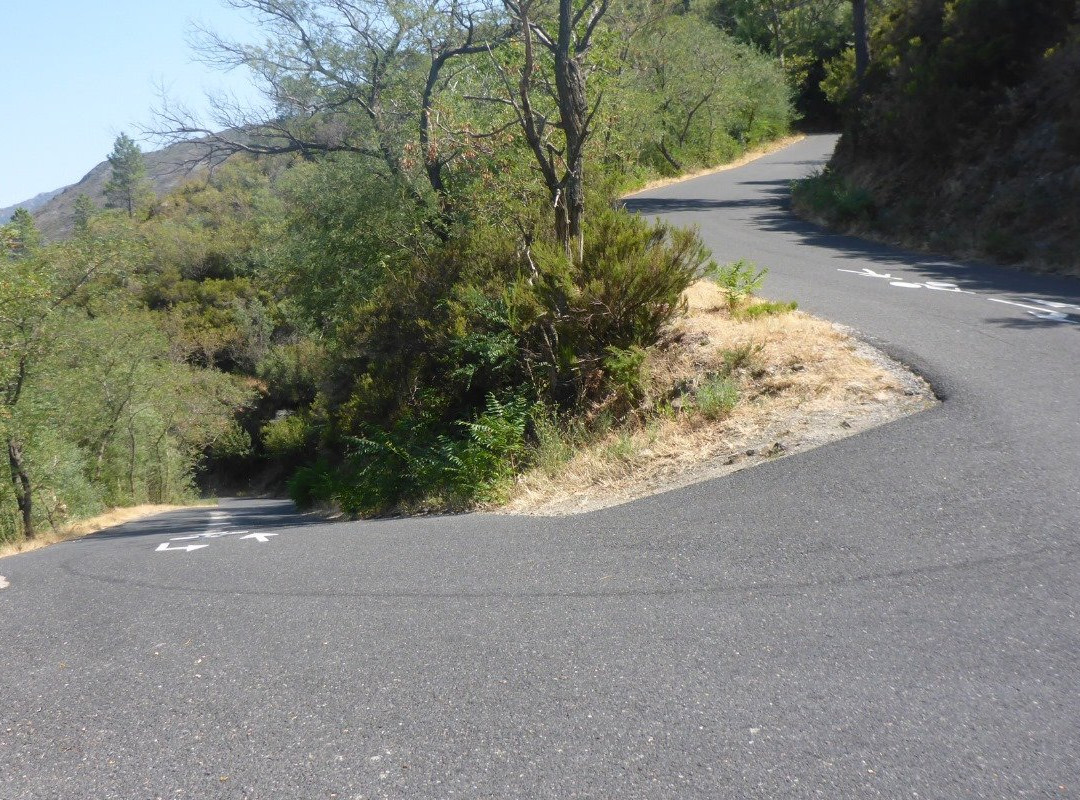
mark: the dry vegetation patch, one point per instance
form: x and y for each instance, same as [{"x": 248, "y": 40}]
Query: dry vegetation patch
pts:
[
  {"x": 83, "y": 527},
  {"x": 799, "y": 382}
]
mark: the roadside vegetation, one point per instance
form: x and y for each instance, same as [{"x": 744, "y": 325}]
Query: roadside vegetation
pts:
[
  {"x": 409, "y": 283},
  {"x": 962, "y": 134},
  {"x": 391, "y": 288}
]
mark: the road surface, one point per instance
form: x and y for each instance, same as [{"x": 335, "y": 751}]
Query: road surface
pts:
[{"x": 893, "y": 615}]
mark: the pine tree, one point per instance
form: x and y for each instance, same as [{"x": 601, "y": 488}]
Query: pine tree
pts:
[
  {"x": 128, "y": 185},
  {"x": 22, "y": 235},
  {"x": 84, "y": 210}
]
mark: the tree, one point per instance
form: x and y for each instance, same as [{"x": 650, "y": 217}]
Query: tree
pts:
[
  {"x": 363, "y": 77},
  {"x": 567, "y": 35},
  {"x": 708, "y": 93},
  {"x": 21, "y": 234},
  {"x": 84, "y": 210},
  {"x": 128, "y": 185},
  {"x": 36, "y": 291}
]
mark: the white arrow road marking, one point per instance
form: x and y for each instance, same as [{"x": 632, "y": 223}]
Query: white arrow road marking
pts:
[
  {"x": 1036, "y": 311},
  {"x": 259, "y": 537},
  {"x": 1052, "y": 303},
  {"x": 4, "y": 582},
  {"x": 866, "y": 272},
  {"x": 944, "y": 286},
  {"x": 207, "y": 535},
  {"x": 164, "y": 547}
]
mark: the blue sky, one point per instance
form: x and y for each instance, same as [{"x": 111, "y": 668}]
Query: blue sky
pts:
[{"x": 77, "y": 73}]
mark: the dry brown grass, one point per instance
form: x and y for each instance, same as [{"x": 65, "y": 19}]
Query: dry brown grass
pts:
[
  {"x": 809, "y": 383},
  {"x": 110, "y": 519},
  {"x": 746, "y": 158}
]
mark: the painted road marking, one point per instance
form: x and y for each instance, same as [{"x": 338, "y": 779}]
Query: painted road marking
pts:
[
  {"x": 215, "y": 529},
  {"x": 4, "y": 582},
  {"x": 1042, "y": 313},
  {"x": 207, "y": 535},
  {"x": 1047, "y": 310},
  {"x": 164, "y": 548}
]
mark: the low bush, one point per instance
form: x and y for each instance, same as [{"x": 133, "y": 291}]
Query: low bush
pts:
[
  {"x": 767, "y": 308},
  {"x": 716, "y": 397},
  {"x": 578, "y": 317},
  {"x": 739, "y": 280},
  {"x": 828, "y": 196},
  {"x": 741, "y": 356}
]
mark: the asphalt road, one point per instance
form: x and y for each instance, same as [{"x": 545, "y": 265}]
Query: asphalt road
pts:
[{"x": 893, "y": 615}]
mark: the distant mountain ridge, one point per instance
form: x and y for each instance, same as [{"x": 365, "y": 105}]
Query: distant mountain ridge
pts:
[{"x": 31, "y": 205}]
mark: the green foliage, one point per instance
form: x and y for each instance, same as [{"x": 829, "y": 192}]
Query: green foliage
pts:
[
  {"x": 710, "y": 97},
  {"x": 741, "y": 357},
  {"x": 623, "y": 294},
  {"x": 21, "y": 235},
  {"x": 313, "y": 485},
  {"x": 968, "y": 108},
  {"x": 739, "y": 280},
  {"x": 625, "y": 372},
  {"x": 413, "y": 463},
  {"x": 768, "y": 308},
  {"x": 91, "y": 395},
  {"x": 388, "y": 313},
  {"x": 127, "y": 187},
  {"x": 716, "y": 397},
  {"x": 84, "y": 211},
  {"x": 801, "y": 36},
  {"x": 827, "y": 195},
  {"x": 286, "y": 437},
  {"x": 838, "y": 84}
]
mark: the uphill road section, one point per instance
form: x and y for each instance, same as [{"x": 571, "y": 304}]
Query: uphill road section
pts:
[{"x": 892, "y": 615}]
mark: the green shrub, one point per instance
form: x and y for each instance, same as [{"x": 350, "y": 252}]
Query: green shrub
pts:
[
  {"x": 741, "y": 356},
  {"x": 625, "y": 370},
  {"x": 413, "y": 462},
  {"x": 739, "y": 280},
  {"x": 313, "y": 485},
  {"x": 288, "y": 436},
  {"x": 828, "y": 196},
  {"x": 623, "y": 294},
  {"x": 480, "y": 467},
  {"x": 767, "y": 308},
  {"x": 716, "y": 397}
]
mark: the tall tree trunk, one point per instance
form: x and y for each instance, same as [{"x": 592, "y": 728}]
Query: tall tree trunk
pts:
[
  {"x": 574, "y": 118},
  {"x": 862, "y": 42},
  {"x": 20, "y": 480}
]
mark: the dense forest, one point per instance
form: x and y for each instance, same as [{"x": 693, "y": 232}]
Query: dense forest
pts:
[
  {"x": 394, "y": 286},
  {"x": 963, "y": 134}
]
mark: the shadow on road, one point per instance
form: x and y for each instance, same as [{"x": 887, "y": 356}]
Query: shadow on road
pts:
[
  {"x": 253, "y": 515},
  {"x": 769, "y": 208}
]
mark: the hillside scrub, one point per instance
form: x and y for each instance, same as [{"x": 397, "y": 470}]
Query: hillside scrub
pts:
[
  {"x": 725, "y": 391},
  {"x": 964, "y": 135},
  {"x": 96, "y": 410}
]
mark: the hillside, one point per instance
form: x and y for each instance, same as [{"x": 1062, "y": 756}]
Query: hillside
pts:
[
  {"x": 54, "y": 211},
  {"x": 33, "y": 204},
  {"x": 967, "y": 138}
]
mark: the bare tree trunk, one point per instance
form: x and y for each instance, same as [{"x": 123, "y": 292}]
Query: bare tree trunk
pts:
[
  {"x": 20, "y": 480},
  {"x": 574, "y": 118}
]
